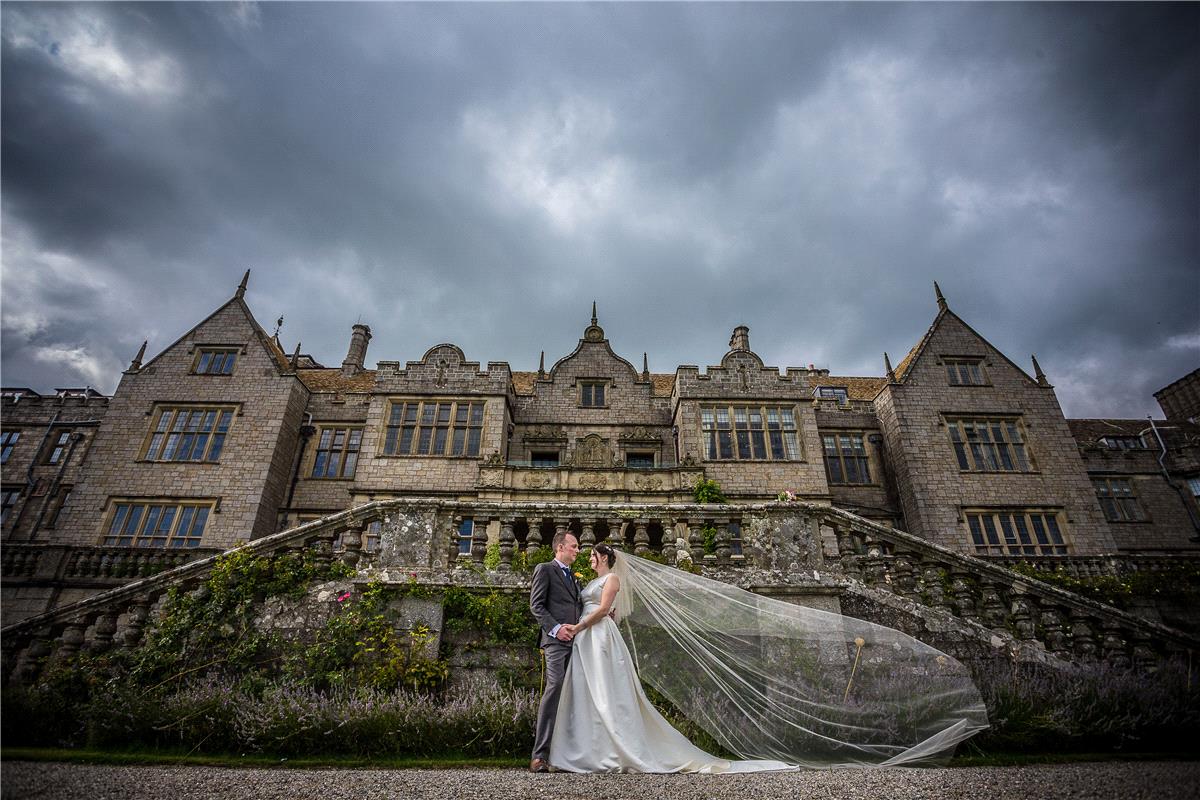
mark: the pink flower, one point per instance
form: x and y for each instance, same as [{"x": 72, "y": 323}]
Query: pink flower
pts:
[{"x": 343, "y": 597}]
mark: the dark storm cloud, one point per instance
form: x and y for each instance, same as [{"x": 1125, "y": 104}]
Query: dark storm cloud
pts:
[{"x": 480, "y": 173}]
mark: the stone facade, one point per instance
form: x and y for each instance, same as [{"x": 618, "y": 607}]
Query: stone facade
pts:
[{"x": 593, "y": 428}]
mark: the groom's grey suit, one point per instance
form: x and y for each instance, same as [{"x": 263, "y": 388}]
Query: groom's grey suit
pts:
[{"x": 554, "y": 600}]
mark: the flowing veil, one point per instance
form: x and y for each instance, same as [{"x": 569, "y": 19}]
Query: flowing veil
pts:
[{"x": 772, "y": 680}]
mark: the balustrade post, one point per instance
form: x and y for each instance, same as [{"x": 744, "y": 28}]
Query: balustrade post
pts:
[
  {"x": 847, "y": 552},
  {"x": 479, "y": 539},
  {"x": 588, "y": 533},
  {"x": 32, "y": 657},
  {"x": 508, "y": 542},
  {"x": 668, "y": 540},
  {"x": 1114, "y": 646},
  {"x": 875, "y": 572},
  {"x": 135, "y": 621},
  {"x": 964, "y": 597},
  {"x": 533, "y": 538},
  {"x": 993, "y": 614},
  {"x": 905, "y": 583},
  {"x": 615, "y": 537},
  {"x": 641, "y": 537},
  {"x": 1024, "y": 611},
  {"x": 724, "y": 548},
  {"x": 1083, "y": 635},
  {"x": 352, "y": 542},
  {"x": 1144, "y": 658},
  {"x": 102, "y": 633},
  {"x": 71, "y": 639},
  {"x": 695, "y": 538},
  {"x": 1055, "y": 631},
  {"x": 935, "y": 589},
  {"x": 322, "y": 545}
]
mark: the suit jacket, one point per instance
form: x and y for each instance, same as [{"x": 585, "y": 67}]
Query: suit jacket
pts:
[{"x": 553, "y": 599}]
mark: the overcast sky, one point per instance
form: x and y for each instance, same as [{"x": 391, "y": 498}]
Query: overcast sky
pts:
[{"x": 480, "y": 173}]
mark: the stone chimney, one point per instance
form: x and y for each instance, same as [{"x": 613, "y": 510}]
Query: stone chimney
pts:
[
  {"x": 359, "y": 336},
  {"x": 740, "y": 340}
]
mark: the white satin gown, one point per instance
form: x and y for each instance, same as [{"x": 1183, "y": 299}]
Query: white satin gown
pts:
[{"x": 605, "y": 722}]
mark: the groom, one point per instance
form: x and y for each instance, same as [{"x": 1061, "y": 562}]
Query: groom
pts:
[{"x": 554, "y": 601}]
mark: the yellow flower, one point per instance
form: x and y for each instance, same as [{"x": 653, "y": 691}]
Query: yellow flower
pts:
[{"x": 578, "y": 574}]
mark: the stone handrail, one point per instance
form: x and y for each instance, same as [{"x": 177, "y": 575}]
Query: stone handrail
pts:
[
  {"x": 1063, "y": 623},
  {"x": 778, "y": 544}
]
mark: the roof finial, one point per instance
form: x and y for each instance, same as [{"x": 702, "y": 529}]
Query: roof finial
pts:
[
  {"x": 887, "y": 365},
  {"x": 941, "y": 300},
  {"x": 594, "y": 312},
  {"x": 278, "y": 327},
  {"x": 136, "y": 364},
  {"x": 645, "y": 366},
  {"x": 241, "y": 290},
  {"x": 1037, "y": 371},
  {"x": 295, "y": 356},
  {"x": 542, "y": 366}
]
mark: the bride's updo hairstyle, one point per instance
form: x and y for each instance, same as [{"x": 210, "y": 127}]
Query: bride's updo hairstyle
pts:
[{"x": 606, "y": 552}]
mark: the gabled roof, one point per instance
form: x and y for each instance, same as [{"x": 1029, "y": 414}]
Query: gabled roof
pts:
[
  {"x": 906, "y": 364},
  {"x": 277, "y": 355}
]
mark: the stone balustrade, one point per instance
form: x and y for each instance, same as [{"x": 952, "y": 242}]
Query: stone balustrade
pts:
[
  {"x": 772, "y": 547},
  {"x": 987, "y": 593},
  {"x": 66, "y": 565}
]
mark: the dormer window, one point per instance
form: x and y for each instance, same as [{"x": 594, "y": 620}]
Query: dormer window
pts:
[
  {"x": 965, "y": 371},
  {"x": 592, "y": 394},
  {"x": 214, "y": 361},
  {"x": 837, "y": 393},
  {"x": 1123, "y": 442}
]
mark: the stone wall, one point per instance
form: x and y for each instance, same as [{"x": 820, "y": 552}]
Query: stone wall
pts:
[
  {"x": 934, "y": 491},
  {"x": 246, "y": 485}
]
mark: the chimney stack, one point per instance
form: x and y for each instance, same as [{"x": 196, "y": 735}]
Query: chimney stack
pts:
[
  {"x": 740, "y": 340},
  {"x": 359, "y": 336}
]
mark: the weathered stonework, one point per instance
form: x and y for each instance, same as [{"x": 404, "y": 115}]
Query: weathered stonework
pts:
[{"x": 545, "y": 438}]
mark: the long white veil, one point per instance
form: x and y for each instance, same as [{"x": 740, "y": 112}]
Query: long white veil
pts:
[{"x": 772, "y": 680}]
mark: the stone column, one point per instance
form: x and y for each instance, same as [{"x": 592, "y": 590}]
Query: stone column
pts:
[
  {"x": 724, "y": 550},
  {"x": 588, "y": 537},
  {"x": 641, "y": 537},
  {"x": 479, "y": 539},
  {"x": 964, "y": 598},
  {"x": 508, "y": 541},
  {"x": 1083, "y": 635},
  {"x": 102, "y": 633},
  {"x": 135, "y": 621}
]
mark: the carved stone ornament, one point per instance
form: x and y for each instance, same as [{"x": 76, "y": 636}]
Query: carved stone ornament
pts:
[
  {"x": 536, "y": 480},
  {"x": 641, "y": 434},
  {"x": 689, "y": 460},
  {"x": 647, "y": 483},
  {"x": 593, "y": 481},
  {"x": 592, "y": 452},
  {"x": 491, "y": 477},
  {"x": 494, "y": 459},
  {"x": 550, "y": 433}
]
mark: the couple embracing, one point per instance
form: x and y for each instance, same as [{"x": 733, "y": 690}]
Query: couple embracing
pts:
[{"x": 766, "y": 678}]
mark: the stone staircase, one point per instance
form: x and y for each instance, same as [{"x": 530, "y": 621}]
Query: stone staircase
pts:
[{"x": 810, "y": 554}]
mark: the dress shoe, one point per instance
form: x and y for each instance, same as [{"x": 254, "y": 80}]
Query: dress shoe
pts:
[{"x": 539, "y": 765}]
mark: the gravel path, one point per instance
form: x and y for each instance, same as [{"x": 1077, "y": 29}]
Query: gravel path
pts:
[{"x": 1104, "y": 781}]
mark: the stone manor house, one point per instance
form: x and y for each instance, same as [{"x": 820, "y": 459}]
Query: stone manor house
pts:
[{"x": 224, "y": 437}]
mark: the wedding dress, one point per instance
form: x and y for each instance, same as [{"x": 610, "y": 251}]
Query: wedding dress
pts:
[
  {"x": 605, "y": 722},
  {"x": 781, "y": 684}
]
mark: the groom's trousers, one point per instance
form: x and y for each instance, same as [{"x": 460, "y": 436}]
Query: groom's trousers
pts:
[{"x": 557, "y": 656}]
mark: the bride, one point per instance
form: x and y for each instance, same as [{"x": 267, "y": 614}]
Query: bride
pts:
[{"x": 783, "y": 685}]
